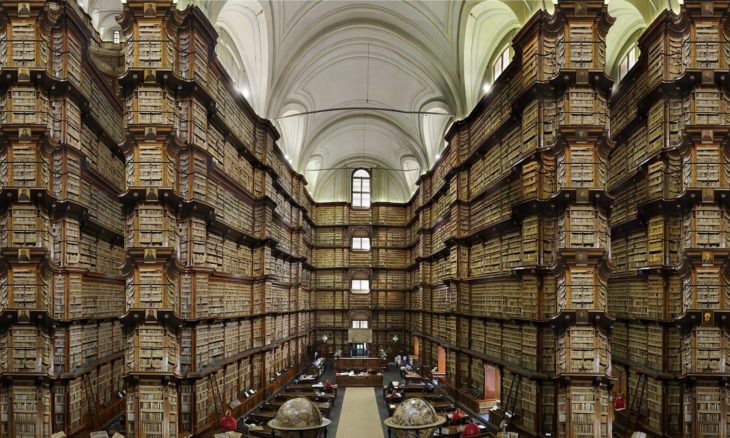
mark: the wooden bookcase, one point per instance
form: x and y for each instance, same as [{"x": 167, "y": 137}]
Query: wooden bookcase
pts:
[{"x": 156, "y": 241}]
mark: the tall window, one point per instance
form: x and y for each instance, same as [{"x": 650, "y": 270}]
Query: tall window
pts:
[
  {"x": 500, "y": 64},
  {"x": 360, "y": 324},
  {"x": 361, "y": 286},
  {"x": 361, "y": 188},
  {"x": 360, "y": 282},
  {"x": 361, "y": 243},
  {"x": 627, "y": 62},
  {"x": 117, "y": 37},
  {"x": 360, "y": 240}
]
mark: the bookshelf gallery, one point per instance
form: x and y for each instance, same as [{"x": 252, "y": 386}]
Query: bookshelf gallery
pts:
[{"x": 160, "y": 257}]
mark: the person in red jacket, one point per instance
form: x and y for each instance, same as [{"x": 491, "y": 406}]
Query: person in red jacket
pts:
[
  {"x": 228, "y": 423},
  {"x": 619, "y": 403},
  {"x": 471, "y": 429}
]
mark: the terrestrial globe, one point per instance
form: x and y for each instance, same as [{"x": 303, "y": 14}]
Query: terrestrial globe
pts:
[
  {"x": 414, "y": 418},
  {"x": 298, "y": 418}
]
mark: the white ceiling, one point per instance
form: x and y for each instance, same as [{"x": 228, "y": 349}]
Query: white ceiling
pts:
[{"x": 418, "y": 56}]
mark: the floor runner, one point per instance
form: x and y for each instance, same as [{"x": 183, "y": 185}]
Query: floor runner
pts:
[{"x": 359, "y": 417}]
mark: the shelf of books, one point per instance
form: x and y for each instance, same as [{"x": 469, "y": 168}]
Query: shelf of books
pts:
[
  {"x": 530, "y": 165},
  {"x": 667, "y": 269},
  {"x": 218, "y": 233},
  {"x": 155, "y": 240},
  {"x": 61, "y": 284}
]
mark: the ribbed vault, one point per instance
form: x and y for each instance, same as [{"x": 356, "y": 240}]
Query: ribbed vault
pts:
[{"x": 362, "y": 57}]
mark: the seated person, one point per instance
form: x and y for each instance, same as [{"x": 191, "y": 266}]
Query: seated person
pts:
[
  {"x": 456, "y": 416},
  {"x": 393, "y": 395},
  {"x": 471, "y": 429}
]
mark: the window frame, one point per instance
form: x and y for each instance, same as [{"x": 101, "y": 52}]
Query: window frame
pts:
[
  {"x": 500, "y": 63},
  {"x": 117, "y": 37},
  {"x": 360, "y": 192},
  {"x": 364, "y": 243},
  {"x": 360, "y": 324},
  {"x": 360, "y": 285},
  {"x": 628, "y": 61}
]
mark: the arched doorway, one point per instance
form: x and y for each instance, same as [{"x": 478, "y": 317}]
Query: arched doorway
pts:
[
  {"x": 360, "y": 333},
  {"x": 492, "y": 380}
]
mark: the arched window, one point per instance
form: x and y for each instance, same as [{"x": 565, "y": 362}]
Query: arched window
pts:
[
  {"x": 360, "y": 320},
  {"x": 361, "y": 188},
  {"x": 360, "y": 240},
  {"x": 627, "y": 62},
  {"x": 117, "y": 37},
  {"x": 500, "y": 63},
  {"x": 360, "y": 324},
  {"x": 360, "y": 283}
]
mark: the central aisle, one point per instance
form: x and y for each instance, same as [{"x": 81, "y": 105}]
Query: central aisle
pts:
[{"x": 360, "y": 417}]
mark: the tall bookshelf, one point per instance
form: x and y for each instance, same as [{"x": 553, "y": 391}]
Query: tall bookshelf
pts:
[
  {"x": 62, "y": 239},
  {"x": 513, "y": 230},
  {"x": 386, "y": 265},
  {"x": 668, "y": 169},
  {"x": 217, "y": 233},
  {"x": 160, "y": 256}
]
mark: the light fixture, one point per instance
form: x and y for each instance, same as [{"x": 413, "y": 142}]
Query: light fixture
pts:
[
  {"x": 290, "y": 161},
  {"x": 286, "y": 156},
  {"x": 438, "y": 156},
  {"x": 486, "y": 88},
  {"x": 246, "y": 92},
  {"x": 324, "y": 338},
  {"x": 395, "y": 338}
]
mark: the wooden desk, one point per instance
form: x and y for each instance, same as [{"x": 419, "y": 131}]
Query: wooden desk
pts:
[
  {"x": 454, "y": 431},
  {"x": 415, "y": 388},
  {"x": 357, "y": 363},
  {"x": 360, "y": 380},
  {"x": 429, "y": 397},
  {"x": 309, "y": 395},
  {"x": 413, "y": 378},
  {"x": 473, "y": 404},
  {"x": 264, "y": 414},
  {"x": 264, "y": 433},
  {"x": 307, "y": 388}
]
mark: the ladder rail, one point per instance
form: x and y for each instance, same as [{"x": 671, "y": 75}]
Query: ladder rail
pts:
[
  {"x": 513, "y": 390},
  {"x": 635, "y": 406},
  {"x": 216, "y": 396},
  {"x": 91, "y": 400}
]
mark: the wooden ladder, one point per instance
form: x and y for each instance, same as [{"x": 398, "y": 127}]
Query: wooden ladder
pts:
[
  {"x": 635, "y": 405},
  {"x": 513, "y": 389},
  {"x": 217, "y": 399},
  {"x": 91, "y": 400}
]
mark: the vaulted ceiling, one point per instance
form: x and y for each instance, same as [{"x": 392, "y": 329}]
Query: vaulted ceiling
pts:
[{"x": 427, "y": 61}]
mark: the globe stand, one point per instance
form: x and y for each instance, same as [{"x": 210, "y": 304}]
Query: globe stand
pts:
[
  {"x": 418, "y": 433},
  {"x": 301, "y": 433},
  {"x": 414, "y": 418}
]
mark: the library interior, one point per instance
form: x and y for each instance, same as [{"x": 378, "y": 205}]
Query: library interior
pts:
[{"x": 364, "y": 218}]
